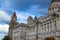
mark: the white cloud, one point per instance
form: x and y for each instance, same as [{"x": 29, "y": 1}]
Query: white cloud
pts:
[
  {"x": 22, "y": 16},
  {"x": 4, "y": 16},
  {"x": 4, "y": 27},
  {"x": 41, "y": 10},
  {"x": 6, "y": 4},
  {"x": 38, "y": 9}
]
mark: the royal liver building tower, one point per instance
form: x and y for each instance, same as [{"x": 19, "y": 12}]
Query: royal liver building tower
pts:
[{"x": 37, "y": 28}]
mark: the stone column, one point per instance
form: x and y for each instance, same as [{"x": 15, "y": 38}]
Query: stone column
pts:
[
  {"x": 53, "y": 27},
  {"x": 10, "y": 33}
]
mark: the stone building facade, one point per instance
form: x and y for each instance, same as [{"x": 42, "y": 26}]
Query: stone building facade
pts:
[{"x": 37, "y": 28}]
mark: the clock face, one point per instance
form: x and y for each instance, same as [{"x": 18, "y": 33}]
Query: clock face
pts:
[{"x": 54, "y": 8}]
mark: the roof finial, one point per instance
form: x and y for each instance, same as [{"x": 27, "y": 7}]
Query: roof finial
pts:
[
  {"x": 13, "y": 10},
  {"x": 14, "y": 13}
]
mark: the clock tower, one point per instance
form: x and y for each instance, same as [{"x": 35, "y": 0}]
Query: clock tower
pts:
[
  {"x": 54, "y": 7},
  {"x": 12, "y": 24}
]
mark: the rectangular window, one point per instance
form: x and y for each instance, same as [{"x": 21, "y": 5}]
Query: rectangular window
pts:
[
  {"x": 50, "y": 27},
  {"x": 55, "y": 25},
  {"x": 44, "y": 28},
  {"x": 47, "y": 27}
]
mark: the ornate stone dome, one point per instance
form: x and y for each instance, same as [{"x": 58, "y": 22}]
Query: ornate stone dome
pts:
[{"x": 55, "y": 1}]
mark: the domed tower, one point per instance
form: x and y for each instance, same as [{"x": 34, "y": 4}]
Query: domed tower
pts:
[
  {"x": 30, "y": 20},
  {"x": 54, "y": 12},
  {"x": 54, "y": 7},
  {"x": 14, "y": 18},
  {"x": 11, "y": 24},
  {"x": 55, "y": 1}
]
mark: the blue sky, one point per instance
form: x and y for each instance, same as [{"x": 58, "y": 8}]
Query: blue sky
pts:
[{"x": 23, "y": 9}]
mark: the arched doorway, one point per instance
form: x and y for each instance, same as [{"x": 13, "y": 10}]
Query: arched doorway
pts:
[{"x": 49, "y": 38}]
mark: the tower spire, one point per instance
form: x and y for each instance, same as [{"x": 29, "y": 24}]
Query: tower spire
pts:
[
  {"x": 14, "y": 13},
  {"x": 14, "y": 16},
  {"x": 35, "y": 19}
]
